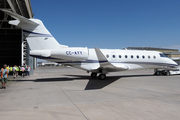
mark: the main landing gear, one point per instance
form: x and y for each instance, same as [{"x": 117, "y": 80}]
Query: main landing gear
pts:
[
  {"x": 101, "y": 76},
  {"x": 162, "y": 72},
  {"x": 93, "y": 75}
]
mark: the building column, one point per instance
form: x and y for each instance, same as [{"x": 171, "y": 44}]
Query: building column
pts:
[
  {"x": 34, "y": 63},
  {"x": 22, "y": 48}
]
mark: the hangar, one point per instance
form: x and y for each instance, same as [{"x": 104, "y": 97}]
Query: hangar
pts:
[{"x": 14, "y": 47}]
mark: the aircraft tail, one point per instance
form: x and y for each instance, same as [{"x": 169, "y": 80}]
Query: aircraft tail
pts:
[{"x": 38, "y": 37}]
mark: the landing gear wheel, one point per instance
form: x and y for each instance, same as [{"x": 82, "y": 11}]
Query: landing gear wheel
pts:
[
  {"x": 158, "y": 73},
  {"x": 168, "y": 73},
  {"x": 102, "y": 76},
  {"x": 93, "y": 75}
]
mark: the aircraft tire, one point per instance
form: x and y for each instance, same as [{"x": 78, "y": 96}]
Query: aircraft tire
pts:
[
  {"x": 168, "y": 73},
  {"x": 102, "y": 76},
  {"x": 93, "y": 75},
  {"x": 159, "y": 73}
]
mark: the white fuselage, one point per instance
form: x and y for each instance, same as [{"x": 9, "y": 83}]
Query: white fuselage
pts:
[{"x": 131, "y": 59}]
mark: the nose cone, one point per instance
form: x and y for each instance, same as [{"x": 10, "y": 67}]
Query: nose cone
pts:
[{"x": 172, "y": 64}]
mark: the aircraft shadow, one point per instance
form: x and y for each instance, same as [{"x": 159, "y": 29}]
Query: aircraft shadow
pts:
[
  {"x": 45, "y": 79},
  {"x": 93, "y": 83}
]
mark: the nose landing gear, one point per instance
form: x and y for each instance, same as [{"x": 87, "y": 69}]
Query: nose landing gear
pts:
[{"x": 162, "y": 72}]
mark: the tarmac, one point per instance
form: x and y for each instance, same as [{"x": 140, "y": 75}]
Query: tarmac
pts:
[{"x": 65, "y": 93}]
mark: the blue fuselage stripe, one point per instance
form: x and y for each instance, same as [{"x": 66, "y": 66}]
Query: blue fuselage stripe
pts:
[{"x": 37, "y": 34}]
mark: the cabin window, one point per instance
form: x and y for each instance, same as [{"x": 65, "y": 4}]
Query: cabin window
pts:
[
  {"x": 149, "y": 57},
  {"x": 143, "y": 56},
  {"x": 162, "y": 55},
  {"x": 138, "y": 56},
  {"x": 126, "y": 56},
  {"x": 154, "y": 57},
  {"x": 119, "y": 56},
  {"x": 107, "y": 56},
  {"x": 131, "y": 56},
  {"x": 113, "y": 56}
]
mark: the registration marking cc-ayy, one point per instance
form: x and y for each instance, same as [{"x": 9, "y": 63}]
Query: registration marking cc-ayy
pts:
[{"x": 73, "y": 52}]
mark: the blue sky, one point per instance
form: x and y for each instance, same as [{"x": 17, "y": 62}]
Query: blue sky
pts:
[{"x": 111, "y": 23}]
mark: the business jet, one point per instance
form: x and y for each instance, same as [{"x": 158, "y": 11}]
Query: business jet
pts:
[{"x": 97, "y": 61}]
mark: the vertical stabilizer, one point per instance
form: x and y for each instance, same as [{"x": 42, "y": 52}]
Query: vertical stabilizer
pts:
[{"x": 38, "y": 37}]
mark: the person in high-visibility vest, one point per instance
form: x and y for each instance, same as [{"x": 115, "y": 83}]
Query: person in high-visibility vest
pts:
[
  {"x": 10, "y": 70},
  {"x": 20, "y": 71},
  {"x": 17, "y": 70},
  {"x": 7, "y": 67},
  {"x": 4, "y": 76}
]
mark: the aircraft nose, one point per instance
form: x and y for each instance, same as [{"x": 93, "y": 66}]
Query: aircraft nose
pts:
[{"x": 173, "y": 64}]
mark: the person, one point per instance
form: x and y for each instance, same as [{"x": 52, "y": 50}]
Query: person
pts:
[
  {"x": 7, "y": 67},
  {"x": 28, "y": 70},
  {"x": 17, "y": 70},
  {"x": 4, "y": 76},
  {"x": 25, "y": 71},
  {"x": 22, "y": 70},
  {"x": 10, "y": 70},
  {"x": 14, "y": 71}
]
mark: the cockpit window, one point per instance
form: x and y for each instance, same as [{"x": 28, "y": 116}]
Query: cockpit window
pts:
[{"x": 162, "y": 55}]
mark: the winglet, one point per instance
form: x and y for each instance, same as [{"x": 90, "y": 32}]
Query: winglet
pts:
[
  {"x": 100, "y": 55},
  {"x": 104, "y": 63}
]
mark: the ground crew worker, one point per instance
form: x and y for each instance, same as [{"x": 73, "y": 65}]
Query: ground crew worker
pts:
[
  {"x": 4, "y": 76},
  {"x": 14, "y": 71},
  {"x": 7, "y": 67},
  {"x": 20, "y": 71},
  {"x": 28, "y": 70},
  {"x": 17, "y": 70},
  {"x": 10, "y": 70}
]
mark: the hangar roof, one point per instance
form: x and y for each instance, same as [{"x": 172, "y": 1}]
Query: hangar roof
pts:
[
  {"x": 151, "y": 48},
  {"x": 22, "y": 7}
]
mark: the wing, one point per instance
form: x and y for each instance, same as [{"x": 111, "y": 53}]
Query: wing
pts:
[{"x": 106, "y": 65}]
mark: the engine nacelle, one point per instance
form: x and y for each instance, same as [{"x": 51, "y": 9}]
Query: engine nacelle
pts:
[{"x": 71, "y": 53}]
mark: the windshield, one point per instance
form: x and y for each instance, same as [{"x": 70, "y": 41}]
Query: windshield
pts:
[{"x": 162, "y": 55}]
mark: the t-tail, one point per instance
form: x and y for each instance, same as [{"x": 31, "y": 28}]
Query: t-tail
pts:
[{"x": 38, "y": 37}]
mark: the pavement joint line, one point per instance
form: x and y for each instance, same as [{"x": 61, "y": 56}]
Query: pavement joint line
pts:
[
  {"x": 42, "y": 111},
  {"x": 73, "y": 103}
]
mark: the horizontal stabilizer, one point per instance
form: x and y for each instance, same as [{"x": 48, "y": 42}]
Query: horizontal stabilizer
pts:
[{"x": 19, "y": 17}]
